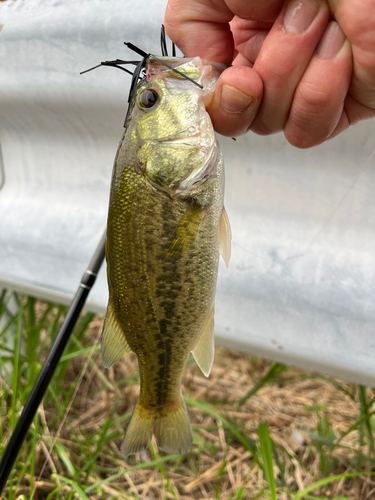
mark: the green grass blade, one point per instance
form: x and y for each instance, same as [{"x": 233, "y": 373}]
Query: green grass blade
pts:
[
  {"x": 276, "y": 368},
  {"x": 319, "y": 439},
  {"x": 31, "y": 334},
  {"x": 203, "y": 406},
  {"x": 365, "y": 413},
  {"x": 82, "y": 324},
  {"x": 35, "y": 432},
  {"x": 21, "y": 471},
  {"x": 3, "y": 301},
  {"x": 12, "y": 321},
  {"x": 266, "y": 453},
  {"x": 81, "y": 494},
  {"x": 311, "y": 497},
  {"x": 302, "y": 494},
  {"x": 60, "y": 450},
  {"x": 50, "y": 321},
  {"x": 353, "y": 428},
  {"x": 102, "y": 439},
  {"x": 93, "y": 364},
  {"x": 163, "y": 472},
  {"x": 145, "y": 465},
  {"x": 16, "y": 367},
  {"x": 84, "y": 350}
]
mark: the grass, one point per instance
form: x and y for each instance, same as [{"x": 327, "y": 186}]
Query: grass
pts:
[{"x": 261, "y": 430}]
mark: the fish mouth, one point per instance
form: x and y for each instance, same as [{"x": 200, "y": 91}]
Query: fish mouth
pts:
[{"x": 185, "y": 134}]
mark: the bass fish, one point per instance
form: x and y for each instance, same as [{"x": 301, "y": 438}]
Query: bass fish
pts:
[{"x": 166, "y": 227}]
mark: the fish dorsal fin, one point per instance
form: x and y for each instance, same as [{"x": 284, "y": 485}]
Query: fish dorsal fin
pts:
[
  {"x": 204, "y": 351},
  {"x": 185, "y": 234},
  {"x": 114, "y": 344},
  {"x": 225, "y": 237}
]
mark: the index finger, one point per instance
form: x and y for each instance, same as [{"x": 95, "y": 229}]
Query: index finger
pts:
[{"x": 201, "y": 27}]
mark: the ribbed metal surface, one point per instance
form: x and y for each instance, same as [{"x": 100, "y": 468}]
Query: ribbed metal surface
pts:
[{"x": 300, "y": 286}]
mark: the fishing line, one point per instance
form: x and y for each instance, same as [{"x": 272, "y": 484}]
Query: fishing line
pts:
[
  {"x": 163, "y": 43},
  {"x": 115, "y": 64},
  {"x": 74, "y": 395},
  {"x": 136, "y": 75},
  {"x": 178, "y": 72}
]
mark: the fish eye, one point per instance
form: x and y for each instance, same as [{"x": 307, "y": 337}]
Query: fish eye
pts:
[{"x": 149, "y": 98}]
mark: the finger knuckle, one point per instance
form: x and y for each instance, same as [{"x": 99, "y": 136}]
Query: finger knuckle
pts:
[
  {"x": 309, "y": 98},
  {"x": 359, "y": 25}
]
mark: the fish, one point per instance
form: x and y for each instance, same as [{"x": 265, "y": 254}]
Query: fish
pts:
[{"x": 166, "y": 227}]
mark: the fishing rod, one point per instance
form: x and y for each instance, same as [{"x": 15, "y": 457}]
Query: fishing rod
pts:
[{"x": 50, "y": 364}]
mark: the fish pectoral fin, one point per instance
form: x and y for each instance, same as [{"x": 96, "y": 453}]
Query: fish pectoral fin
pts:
[
  {"x": 225, "y": 237},
  {"x": 173, "y": 429},
  {"x": 114, "y": 344},
  {"x": 185, "y": 234},
  {"x": 204, "y": 350}
]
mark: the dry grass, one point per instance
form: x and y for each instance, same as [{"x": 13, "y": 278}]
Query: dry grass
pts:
[{"x": 305, "y": 416}]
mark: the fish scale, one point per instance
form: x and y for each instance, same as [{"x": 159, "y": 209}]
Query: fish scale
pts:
[{"x": 164, "y": 221}]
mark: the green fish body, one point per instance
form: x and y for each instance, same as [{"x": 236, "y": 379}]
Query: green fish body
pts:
[{"x": 166, "y": 226}]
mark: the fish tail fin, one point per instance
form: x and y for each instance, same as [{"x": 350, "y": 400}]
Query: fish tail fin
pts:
[
  {"x": 173, "y": 429},
  {"x": 170, "y": 424},
  {"x": 139, "y": 432}
]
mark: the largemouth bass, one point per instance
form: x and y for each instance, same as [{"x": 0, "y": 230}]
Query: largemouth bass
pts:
[{"x": 166, "y": 225}]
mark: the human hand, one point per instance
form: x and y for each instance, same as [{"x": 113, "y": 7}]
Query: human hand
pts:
[{"x": 293, "y": 69}]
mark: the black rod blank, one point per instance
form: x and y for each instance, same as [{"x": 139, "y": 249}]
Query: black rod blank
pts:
[{"x": 50, "y": 364}]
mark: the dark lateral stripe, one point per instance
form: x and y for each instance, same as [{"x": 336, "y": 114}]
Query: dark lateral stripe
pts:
[{"x": 170, "y": 276}]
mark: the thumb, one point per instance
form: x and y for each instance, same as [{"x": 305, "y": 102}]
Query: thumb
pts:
[{"x": 236, "y": 100}]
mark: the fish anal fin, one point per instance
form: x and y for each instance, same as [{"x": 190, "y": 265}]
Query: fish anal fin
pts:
[
  {"x": 225, "y": 237},
  {"x": 204, "y": 350},
  {"x": 185, "y": 234},
  {"x": 139, "y": 432},
  {"x": 173, "y": 429},
  {"x": 114, "y": 344}
]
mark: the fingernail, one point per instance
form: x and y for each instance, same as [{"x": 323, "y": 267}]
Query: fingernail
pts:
[
  {"x": 233, "y": 100},
  {"x": 299, "y": 15},
  {"x": 331, "y": 42}
]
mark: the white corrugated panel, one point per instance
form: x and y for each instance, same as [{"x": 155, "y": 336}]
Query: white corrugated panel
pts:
[{"x": 300, "y": 286}]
